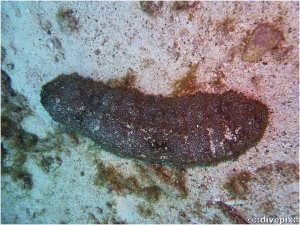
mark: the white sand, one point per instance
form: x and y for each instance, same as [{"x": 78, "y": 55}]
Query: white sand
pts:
[{"x": 129, "y": 38}]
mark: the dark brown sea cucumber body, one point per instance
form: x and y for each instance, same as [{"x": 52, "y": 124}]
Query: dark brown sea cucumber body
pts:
[{"x": 198, "y": 129}]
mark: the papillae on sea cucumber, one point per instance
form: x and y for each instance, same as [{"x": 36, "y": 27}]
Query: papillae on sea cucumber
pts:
[{"x": 197, "y": 129}]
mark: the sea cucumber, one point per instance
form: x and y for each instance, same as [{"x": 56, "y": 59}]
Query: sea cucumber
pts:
[{"x": 196, "y": 129}]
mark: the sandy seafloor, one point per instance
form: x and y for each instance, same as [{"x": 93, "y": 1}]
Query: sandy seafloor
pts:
[{"x": 71, "y": 180}]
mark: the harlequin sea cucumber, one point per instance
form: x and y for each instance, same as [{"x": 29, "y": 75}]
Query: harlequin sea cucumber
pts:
[{"x": 197, "y": 129}]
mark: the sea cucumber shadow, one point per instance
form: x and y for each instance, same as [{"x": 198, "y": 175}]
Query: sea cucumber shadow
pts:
[{"x": 198, "y": 129}]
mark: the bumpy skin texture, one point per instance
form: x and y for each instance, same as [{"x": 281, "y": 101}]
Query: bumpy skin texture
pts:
[{"x": 199, "y": 129}]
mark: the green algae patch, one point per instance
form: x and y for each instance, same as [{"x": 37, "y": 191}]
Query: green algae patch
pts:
[
  {"x": 15, "y": 142},
  {"x": 67, "y": 20},
  {"x": 184, "y": 5},
  {"x": 152, "y": 8},
  {"x": 227, "y": 25},
  {"x": 238, "y": 184},
  {"x": 218, "y": 82},
  {"x": 17, "y": 145},
  {"x": 49, "y": 163},
  {"x": 111, "y": 177},
  {"x": 19, "y": 138},
  {"x": 23, "y": 177},
  {"x": 288, "y": 173},
  {"x": 114, "y": 180},
  {"x": 268, "y": 207},
  {"x": 148, "y": 182},
  {"x": 125, "y": 82},
  {"x": 263, "y": 38},
  {"x": 145, "y": 210},
  {"x": 187, "y": 84},
  {"x": 171, "y": 177},
  {"x": 187, "y": 130},
  {"x": 18, "y": 171},
  {"x": 151, "y": 193}
]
